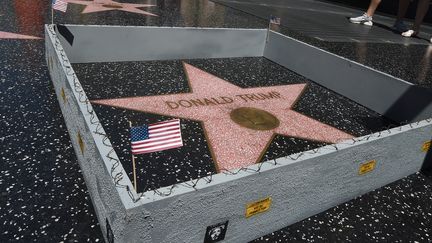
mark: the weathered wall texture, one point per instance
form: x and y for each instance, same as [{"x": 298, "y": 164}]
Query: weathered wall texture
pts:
[
  {"x": 93, "y": 160},
  {"x": 115, "y": 43},
  {"x": 299, "y": 187}
]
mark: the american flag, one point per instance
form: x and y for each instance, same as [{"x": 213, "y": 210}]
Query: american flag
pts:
[
  {"x": 274, "y": 20},
  {"x": 156, "y": 137},
  {"x": 59, "y": 5}
]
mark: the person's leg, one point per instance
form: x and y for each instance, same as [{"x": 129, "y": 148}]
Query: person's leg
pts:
[
  {"x": 422, "y": 8},
  {"x": 403, "y": 8},
  {"x": 372, "y": 7},
  {"x": 366, "y": 18},
  {"x": 399, "y": 25}
]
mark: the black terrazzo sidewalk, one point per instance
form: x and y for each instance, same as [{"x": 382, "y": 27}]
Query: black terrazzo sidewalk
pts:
[{"x": 319, "y": 22}]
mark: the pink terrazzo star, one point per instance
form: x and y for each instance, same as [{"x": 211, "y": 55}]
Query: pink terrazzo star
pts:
[
  {"x": 8, "y": 35},
  {"x": 211, "y": 101},
  {"x": 107, "y": 5}
]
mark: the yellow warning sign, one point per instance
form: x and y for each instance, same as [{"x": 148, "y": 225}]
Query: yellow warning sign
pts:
[
  {"x": 426, "y": 146},
  {"x": 367, "y": 167},
  {"x": 81, "y": 143},
  {"x": 258, "y": 207},
  {"x": 63, "y": 95}
]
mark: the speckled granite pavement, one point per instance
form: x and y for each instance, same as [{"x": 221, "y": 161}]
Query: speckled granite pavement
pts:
[{"x": 43, "y": 197}]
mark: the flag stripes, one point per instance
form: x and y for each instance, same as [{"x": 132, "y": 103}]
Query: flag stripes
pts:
[
  {"x": 59, "y": 5},
  {"x": 156, "y": 137},
  {"x": 274, "y": 20}
]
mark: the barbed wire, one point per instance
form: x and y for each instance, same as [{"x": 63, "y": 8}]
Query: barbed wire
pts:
[{"x": 118, "y": 176}]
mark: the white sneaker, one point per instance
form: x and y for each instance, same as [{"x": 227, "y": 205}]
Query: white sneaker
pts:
[
  {"x": 364, "y": 19},
  {"x": 409, "y": 33}
]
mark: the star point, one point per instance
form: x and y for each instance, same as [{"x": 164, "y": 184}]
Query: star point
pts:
[
  {"x": 8, "y": 35},
  {"x": 108, "y": 5}
]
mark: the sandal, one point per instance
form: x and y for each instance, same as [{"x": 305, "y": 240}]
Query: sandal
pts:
[{"x": 409, "y": 33}]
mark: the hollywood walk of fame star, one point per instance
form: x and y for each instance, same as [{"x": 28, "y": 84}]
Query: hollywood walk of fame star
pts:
[
  {"x": 8, "y": 35},
  {"x": 236, "y": 135},
  {"x": 107, "y": 5}
]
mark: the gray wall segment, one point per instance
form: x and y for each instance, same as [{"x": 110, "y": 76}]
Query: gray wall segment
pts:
[
  {"x": 108, "y": 200},
  {"x": 134, "y": 43},
  {"x": 91, "y": 121},
  {"x": 83, "y": 109},
  {"x": 74, "y": 124},
  {"x": 383, "y": 93},
  {"x": 299, "y": 190}
]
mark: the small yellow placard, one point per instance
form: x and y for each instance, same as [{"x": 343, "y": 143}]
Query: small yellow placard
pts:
[
  {"x": 81, "y": 143},
  {"x": 426, "y": 146},
  {"x": 63, "y": 95},
  {"x": 258, "y": 207},
  {"x": 367, "y": 167}
]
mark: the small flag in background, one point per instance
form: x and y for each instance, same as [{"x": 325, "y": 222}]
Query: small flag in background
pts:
[
  {"x": 274, "y": 20},
  {"x": 59, "y": 5},
  {"x": 156, "y": 137}
]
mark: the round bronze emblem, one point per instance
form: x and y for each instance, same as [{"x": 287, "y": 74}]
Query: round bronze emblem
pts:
[
  {"x": 112, "y": 6},
  {"x": 254, "y": 118}
]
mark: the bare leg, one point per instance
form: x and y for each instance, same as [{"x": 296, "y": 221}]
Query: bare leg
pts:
[
  {"x": 372, "y": 7},
  {"x": 422, "y": 8}
]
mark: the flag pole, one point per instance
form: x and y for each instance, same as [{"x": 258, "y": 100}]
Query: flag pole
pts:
[
  {"x": 133, "y": 164},
  {"x": 268, "y": 29}
]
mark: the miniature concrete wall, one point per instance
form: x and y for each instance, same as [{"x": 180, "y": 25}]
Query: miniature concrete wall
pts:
[
  {"x": 108, "y": 200},
  {"x": 299, "y": 187},
  {"x": 381, "y": 92},
  {"x": 115, "y": 43}
]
